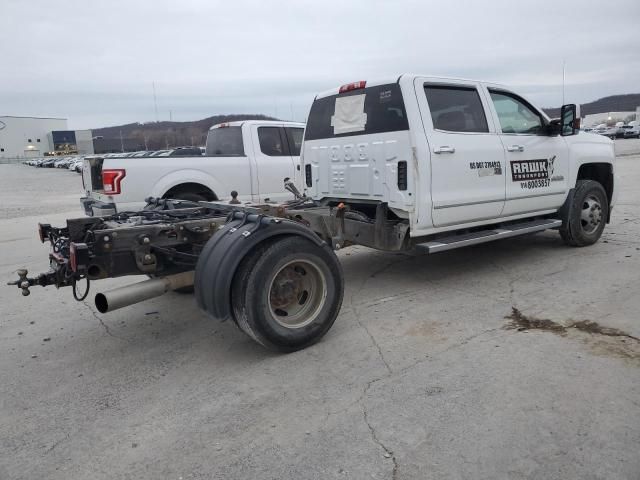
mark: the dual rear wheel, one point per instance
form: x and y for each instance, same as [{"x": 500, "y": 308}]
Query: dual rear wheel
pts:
[{"x": 287, "y": 292}]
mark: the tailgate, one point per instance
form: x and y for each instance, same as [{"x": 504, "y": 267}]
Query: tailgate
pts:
[{"x": 92, "y": 174}]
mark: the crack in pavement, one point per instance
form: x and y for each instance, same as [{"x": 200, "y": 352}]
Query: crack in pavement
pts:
[
  {"x": 56, "y": 443},
  {"x": 104, "y": 325},
  {"x": 388, "y": 453},
  {"x": 356, "y": 312}
]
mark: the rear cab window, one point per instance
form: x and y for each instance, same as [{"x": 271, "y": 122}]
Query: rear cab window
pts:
[
  {"x": 225, "y": 142},
  {"x": 363, "y": 111},
  {"x": 294, "y": 139},
  {"x": 271, "y": 141},
  {"x": 280, "y": 141}
]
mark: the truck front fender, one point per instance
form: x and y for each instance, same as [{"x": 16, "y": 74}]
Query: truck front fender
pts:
[{"x": 224, "y": 251}]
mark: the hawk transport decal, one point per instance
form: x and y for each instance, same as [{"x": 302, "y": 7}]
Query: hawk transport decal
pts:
[{"x": 533, "y": 173}]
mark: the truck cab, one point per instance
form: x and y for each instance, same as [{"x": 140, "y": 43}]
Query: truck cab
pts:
[{"x": 448, "y": 154}]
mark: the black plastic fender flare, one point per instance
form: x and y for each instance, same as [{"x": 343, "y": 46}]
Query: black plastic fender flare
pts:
[{"x": 220, "y": 257}]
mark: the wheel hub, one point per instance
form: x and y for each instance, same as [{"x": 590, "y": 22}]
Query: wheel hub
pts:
[
  {"x": 297, "y": 293},
  {"x": 591, "y": 215}
]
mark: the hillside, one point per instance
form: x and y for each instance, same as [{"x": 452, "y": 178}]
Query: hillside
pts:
[
  {"x": 158, "y": 135},
  {"x": 614, "y": 103}
]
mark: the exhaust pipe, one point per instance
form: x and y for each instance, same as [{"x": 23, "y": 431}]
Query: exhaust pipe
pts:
[{"x": 138, "y": 292}]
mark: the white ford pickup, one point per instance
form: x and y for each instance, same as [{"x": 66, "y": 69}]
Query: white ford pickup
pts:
[{"x": 251, "y": 157}]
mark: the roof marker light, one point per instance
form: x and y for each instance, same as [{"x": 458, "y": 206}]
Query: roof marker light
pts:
[{"x": 352, "y": 86}]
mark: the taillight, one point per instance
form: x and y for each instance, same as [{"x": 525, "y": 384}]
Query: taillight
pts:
[
  {"x": 352, "y": 86},
  {"x": 111, "y": 180},
  {"x": 43, "y": 231},
  {"x": 78, "y": 256}
]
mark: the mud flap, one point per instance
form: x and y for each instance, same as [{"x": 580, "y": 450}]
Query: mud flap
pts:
[{"x": 225, "y": 250}]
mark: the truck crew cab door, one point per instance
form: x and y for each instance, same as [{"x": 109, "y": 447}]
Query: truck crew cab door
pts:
[
  {"x": 467, "y": 157},
  {"x": 273, "y": 162},
  {"x": 537, "y": 163}
]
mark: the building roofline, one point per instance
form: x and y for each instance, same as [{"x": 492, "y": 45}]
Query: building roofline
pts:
[{"x": 37, "y": 118}]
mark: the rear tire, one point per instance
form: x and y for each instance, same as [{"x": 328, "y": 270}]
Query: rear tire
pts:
[
  {"x": 287, "y": 293},
  {"x": 586, "y": 215}
]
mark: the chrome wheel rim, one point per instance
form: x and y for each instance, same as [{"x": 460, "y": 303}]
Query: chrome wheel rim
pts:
[
  {"x": 297, "y": 292},
  {"x": 591, "y": 215}
]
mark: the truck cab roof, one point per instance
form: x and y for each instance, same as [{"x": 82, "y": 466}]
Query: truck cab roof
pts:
[
  {"x": 239, "y": 123},
  {"x": 405, "y": 77}
]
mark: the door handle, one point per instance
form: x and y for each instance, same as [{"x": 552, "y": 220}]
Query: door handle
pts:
[
  {"x": 515, "y": 148},
  {"x": 444, "y": 149}
]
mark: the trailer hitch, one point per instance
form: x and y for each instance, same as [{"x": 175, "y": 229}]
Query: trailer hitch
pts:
[{"x": 25, "y": 282}]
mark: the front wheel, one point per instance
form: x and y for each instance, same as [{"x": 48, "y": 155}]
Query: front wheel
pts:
[
  {"x": 586, "y": 216},
  {"x": 287, "y": 294}
]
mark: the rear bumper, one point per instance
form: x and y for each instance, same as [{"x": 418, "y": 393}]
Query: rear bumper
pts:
[{"x": 96, "y": 208}]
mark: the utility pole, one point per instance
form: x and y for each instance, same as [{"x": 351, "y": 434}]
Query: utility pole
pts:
[
  {"x": 155, "y": 100},
  {"x": 121, "y": 142},
  {"x": 563, "y": 68}
]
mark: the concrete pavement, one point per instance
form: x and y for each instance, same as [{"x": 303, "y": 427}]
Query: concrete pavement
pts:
[{"x": 420, "y": 378}]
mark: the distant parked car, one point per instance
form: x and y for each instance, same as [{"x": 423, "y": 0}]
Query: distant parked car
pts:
[
  {"x": 159, "y": 153},
  {"x": 182, "y": 152},
  {"x": 76, "y": 164},
  {"x": 631, "y": 131},
  {"x": 611, "y": 132}
]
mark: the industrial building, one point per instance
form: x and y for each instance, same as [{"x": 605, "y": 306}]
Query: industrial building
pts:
[{"x": 25, "y": 137}]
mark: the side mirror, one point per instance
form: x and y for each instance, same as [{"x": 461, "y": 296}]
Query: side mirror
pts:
[{"x": 569, "y": 119}]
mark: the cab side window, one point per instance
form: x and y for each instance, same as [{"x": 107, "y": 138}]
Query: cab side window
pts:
[
  {"x": 515, "y": 115},
  {"x": 271, "y": 141},
  {"x": 456, "y": 109},
  {"x": 294, "y": 137}
]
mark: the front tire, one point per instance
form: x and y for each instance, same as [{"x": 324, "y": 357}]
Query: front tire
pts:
[
  {"x": 585, "y": 218},
  {"x": 287, "y": 294}
]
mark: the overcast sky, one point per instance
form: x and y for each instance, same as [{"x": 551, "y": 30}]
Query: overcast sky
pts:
[{"x": 94, "y": 62}]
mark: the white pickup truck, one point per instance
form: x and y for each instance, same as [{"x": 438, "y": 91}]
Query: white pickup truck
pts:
[
  {"x": 251, "y": 157},
  {"x": 451, "y": 155},
  {"x": 411, "y": 163}
]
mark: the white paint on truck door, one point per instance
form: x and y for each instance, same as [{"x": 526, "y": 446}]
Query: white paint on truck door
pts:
[
  {"x": 467, "y": 157},
  {"x": 537, "y": 163},
  {"x": 273, "y": 162}
]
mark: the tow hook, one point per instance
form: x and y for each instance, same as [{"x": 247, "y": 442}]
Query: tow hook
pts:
[{"x": 24, "y": 282}]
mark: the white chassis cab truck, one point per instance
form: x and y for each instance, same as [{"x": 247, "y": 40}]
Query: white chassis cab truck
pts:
[
  {"x": 251, "y": 157},
  {"x": 413, "y": 162}
]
